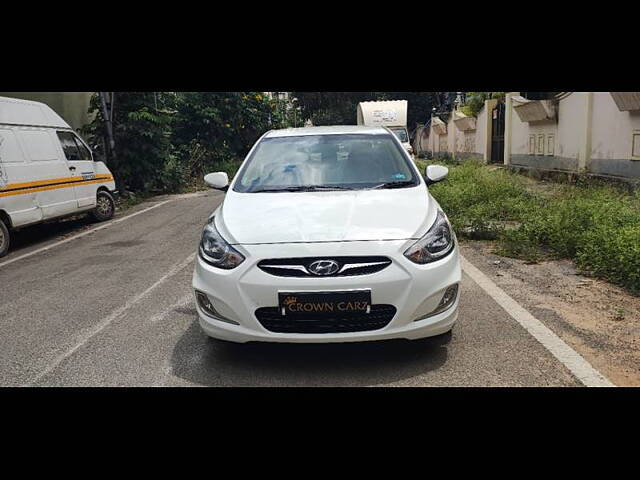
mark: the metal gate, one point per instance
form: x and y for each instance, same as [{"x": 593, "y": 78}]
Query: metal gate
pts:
[{"x": 497, "y": 133}]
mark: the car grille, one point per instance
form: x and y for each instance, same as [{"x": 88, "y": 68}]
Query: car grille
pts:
[
  {"x": 348, "y": 266},
  {"x": 379, "y": 317}
]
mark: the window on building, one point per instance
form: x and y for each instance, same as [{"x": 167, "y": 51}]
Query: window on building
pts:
[{"x": 538, "y": 95}]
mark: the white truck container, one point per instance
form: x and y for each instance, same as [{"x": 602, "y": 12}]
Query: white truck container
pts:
[
  {"x": 391, "y": 114},
  {"x": 46, "y": 170}
]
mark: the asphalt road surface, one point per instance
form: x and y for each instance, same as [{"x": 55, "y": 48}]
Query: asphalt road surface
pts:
[{"x": 115, "y": 308}]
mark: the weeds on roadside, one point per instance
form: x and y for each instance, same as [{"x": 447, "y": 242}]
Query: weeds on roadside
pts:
[
  {"x": 597, "y": 226},
  {"x": 481, "y": 203}
]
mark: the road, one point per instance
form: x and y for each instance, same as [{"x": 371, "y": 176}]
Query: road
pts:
[{"x": 115, "y": 308}]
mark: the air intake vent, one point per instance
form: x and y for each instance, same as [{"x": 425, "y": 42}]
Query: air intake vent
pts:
[{"x": 379, "y": 317}]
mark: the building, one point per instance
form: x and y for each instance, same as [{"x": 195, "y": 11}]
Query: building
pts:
[{"x": 595, "y": 133}]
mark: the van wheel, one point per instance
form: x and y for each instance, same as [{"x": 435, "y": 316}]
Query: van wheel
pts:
[
  {"x": 105, "y": 206},
  {"x": 4, "y": 239}
]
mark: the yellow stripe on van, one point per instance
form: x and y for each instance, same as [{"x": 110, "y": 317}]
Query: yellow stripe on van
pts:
[
  {"x": 53, "y": 184},
  {"x": 11, "y": 186}
]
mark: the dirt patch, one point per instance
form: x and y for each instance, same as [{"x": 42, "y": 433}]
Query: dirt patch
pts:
[{"x": 599, "y": 320}]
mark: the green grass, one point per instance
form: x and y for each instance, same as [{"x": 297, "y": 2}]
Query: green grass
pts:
[{"x": 598, "y": 226}]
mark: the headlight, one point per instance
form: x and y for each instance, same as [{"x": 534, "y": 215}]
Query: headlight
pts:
[
  {"x": 216, "y": 251},
  {"x": 436, "y": 243}
]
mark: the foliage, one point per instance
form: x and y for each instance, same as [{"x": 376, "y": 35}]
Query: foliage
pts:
[
  {"x": 598, "y": 226},
  {"x": 142, "y": 128},
  {"x": 166, "y": 140},
  {"x": 215, "y": 128},
  {"x": 478, "y": 201},
  {"x": 475, "y": 101},
  {"x": 331, "y": 108}
]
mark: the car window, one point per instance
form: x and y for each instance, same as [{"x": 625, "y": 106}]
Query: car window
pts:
[
  {"x": 69, "y": 146},
  {"x": 84, "y": 151},
  {"x": 401, "y": 133},
  {"x": 353, "y": 161}
]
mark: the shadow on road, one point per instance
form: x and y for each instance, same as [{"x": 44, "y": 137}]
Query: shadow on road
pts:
[
  {"x": 40, "y": 233},
  {"x": 204, "y": 361}
]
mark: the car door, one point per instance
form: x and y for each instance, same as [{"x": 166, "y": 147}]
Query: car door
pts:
[{"x": 81, "y": 167}]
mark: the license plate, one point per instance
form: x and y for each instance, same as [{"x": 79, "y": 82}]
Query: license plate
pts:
[{"x": 324, "y": 304}]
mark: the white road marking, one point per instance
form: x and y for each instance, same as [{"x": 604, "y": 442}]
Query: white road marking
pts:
[
  {"x": 86, "y": 232},
  {"x": 110, "y": 318},
  {"x": 571, "y": 359}
]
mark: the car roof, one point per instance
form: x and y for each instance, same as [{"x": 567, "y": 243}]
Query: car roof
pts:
[
  {"x": 333, "y": 130},
  {"x": 16, "y": 111}
]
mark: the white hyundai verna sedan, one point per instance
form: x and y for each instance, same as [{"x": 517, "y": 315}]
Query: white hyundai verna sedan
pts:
[{"x": 327, "y": 234}]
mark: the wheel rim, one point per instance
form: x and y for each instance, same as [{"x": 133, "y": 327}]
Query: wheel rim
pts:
[
  {"x": 104, "y": 206},
  {"x": 2, "y": 239}
]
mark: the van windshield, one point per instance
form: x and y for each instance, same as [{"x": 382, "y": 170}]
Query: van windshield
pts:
[
  {"x": 401, "y": 133},
  {"x": 325, "y": 162}
]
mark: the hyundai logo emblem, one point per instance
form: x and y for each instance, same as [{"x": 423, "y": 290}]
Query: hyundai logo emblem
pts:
[{"x": 324, "y": 267}]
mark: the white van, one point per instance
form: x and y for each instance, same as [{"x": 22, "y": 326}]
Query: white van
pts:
[
  {"x": 391, "y": 114},
  {"x": 46, "y": 170}
]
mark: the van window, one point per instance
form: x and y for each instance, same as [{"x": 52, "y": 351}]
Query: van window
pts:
[
  {"x": 38, "y": 145},
  {"x": 69, "y": 146},
  {"x": 9, "y": 149},
  {"x": 84, "y": 151}
]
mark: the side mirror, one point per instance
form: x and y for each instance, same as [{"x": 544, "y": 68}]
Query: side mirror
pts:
[
  {"x": 96, "y": 151},
  {"x": 435, "y": 173},
  {"x": 218, "y": 180}
]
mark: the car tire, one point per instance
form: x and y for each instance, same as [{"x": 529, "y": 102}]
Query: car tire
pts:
[
  {"x": 105, "y": 206},
  {"x": 5, "y": 239}
]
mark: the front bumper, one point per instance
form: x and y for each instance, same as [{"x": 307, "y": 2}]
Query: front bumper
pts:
[{"x": 415, "y": 290}]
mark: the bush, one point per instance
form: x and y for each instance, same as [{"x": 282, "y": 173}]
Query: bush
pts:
[
  {"x": 594, "y": 225},
  {"x": 479, "y": 202},
  {"x": 597, "y": 226},
  {"x": 613, "y": 254}
]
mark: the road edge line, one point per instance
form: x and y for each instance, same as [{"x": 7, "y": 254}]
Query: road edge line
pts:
[{"x": 566, "y": 355}]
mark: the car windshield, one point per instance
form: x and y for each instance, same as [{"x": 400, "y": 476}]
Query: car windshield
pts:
[
  {"x": 326, "y": 162},
  {"x": 401, "y": 133}
]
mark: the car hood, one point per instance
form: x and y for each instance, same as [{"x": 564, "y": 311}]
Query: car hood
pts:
[{"x": 332, "y": 216}]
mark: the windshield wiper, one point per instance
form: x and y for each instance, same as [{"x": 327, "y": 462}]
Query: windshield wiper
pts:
[
  {"x": 301, "y": 188},
  {"x": 394, "y": 184}
]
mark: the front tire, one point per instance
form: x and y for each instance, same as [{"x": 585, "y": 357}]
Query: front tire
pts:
[
  {"x": 5, "y": 239},
  {"x": 105, "y": 206}
]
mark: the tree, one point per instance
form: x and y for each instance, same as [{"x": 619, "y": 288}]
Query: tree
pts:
[
  {"x": 142, "y": 129},
  {"x": 216, "y": 129},
  {"x": 331, "y": 108},
  {"x": 165, "y": 139},
  {"x": 474, "y": 101}
]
